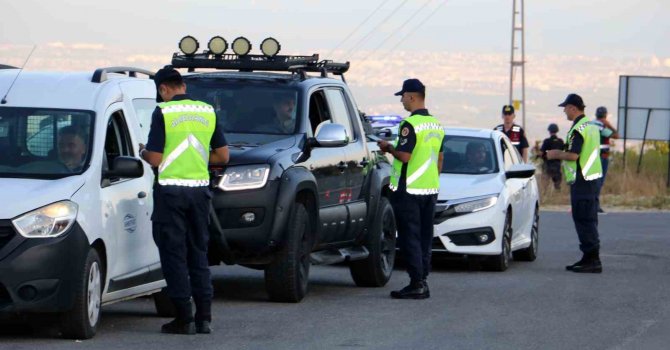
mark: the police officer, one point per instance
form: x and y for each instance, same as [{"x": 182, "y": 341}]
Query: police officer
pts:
[
  {"x": 607, "y": 132},
  {"x": 515, "y": 132},
  {"x": 415, "y": 183},
  {"x": 582, "y": 170},
  {"x": 182, "y": 132},
  {"x": 552, "y": 168}
]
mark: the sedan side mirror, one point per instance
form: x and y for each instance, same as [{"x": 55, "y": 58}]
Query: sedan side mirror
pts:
[
  {"x": 331, "y": 135},
  {"x": 520, "y": 171},
  {"x": 125, "y": 167}
]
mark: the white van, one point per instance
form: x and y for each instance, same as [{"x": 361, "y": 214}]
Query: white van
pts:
[{"x": 75, "y": 199}]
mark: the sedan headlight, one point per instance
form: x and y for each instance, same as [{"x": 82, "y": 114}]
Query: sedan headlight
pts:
[
  {"x": 47, "y": 222},
  {"x": 476, "y": 205},
  {"x": 245, "y": 177}
]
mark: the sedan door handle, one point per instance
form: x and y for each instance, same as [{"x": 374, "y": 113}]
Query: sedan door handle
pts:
[
  {"x": 342, "y": 165},
  {"x": 364, "y": 162},
  {"x": 142, "y": 194}
]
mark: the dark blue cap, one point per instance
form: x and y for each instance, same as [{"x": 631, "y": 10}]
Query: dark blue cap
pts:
[
  {"x": 165, "y": 74},
  {"x": 553, "y": 128},
  {"x": 508, "y": 109},
  {"x": 411, "y": 85},
  {"x": 573, "y": 99},
  {"x": 601, "y": 112}
]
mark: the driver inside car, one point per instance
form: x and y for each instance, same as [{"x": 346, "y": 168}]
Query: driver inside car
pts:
[
  {"x": 71, "y": 148},
  {"x": 475, "y": 158}
]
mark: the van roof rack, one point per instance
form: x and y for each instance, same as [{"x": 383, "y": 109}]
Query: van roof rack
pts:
[
  {"x": 100, "y": 74},
  {"x": 6, "y": 66},
  {"x": 250, "y": 63}
]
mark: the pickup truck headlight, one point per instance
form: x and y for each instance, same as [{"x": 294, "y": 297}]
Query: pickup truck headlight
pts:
[
  {"x": 47, "y": 222},
  {"x": 476, "y": 205},
  {"x": 244, "y": 177}
]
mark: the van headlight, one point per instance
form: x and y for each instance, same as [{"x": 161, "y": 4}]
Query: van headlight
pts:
[
  {"x": 476, "y": 205},
  {"x": 47, "y": 222},
  {"x": 244, "y": 177}
]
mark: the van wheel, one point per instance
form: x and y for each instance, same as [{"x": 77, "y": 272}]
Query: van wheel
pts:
[
  {"x": 530, "y": 253},
  {"x": 164, "y": 305},
  {"x": 287, "y": 276},
  {"x": 376, "y": 269},
  {"x": 500, "y": 262},
  {"x": 81, "y": 322}
]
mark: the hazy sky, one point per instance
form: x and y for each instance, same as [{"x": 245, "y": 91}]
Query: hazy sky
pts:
[{"x": 461, "y": 51}]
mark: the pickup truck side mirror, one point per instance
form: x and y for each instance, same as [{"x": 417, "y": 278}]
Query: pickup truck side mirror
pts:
[
  {"x": 125, "y": 167},
  {"x": 520, "y": 171},
  {"x": 331, "y": 135}
]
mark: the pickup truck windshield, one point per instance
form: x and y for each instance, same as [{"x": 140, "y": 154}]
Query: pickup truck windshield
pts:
[
  {"x": 469, "y": 155},
  {"x": 44, "y": 143},
  {"x": 250, "y": 107}
]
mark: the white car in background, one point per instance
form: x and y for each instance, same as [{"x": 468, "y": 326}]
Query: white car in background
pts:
[{"x": 488, "y": 203}]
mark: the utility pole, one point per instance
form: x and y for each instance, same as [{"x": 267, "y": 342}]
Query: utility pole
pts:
[{"x": 518, "y": 59}]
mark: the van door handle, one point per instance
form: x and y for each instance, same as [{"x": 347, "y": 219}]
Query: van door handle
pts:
[
  {"x": 342, "y": 166},
  {"x": 142, "y": 194}
]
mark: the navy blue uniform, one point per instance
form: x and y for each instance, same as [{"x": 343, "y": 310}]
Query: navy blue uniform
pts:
[
  {"x": 584, "y": 201},
  {"x": 180, "y": 228},
  {"x": 414, "y": 213}
]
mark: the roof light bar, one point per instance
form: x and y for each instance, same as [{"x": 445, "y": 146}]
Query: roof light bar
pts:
[{"x": 188, "y": 45}]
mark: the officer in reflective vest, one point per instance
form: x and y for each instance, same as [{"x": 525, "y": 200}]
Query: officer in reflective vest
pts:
[
  {"x": 514, "y": 132},
  {"x": 582, "y": 170},
  {"x": 181, "y": 135},
  {"x": 415, "y": 183},
  {"x": 607, "y": 132}
]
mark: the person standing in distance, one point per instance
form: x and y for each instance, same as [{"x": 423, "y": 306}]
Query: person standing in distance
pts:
[
  {"x": 181, "y": 135},
  {"x": 607, "y": 132},
  {"x": 582, "y": 170},
  {"x": 552, "y": 168},
  {"x": 415, "y": 182},
  {"x": 515, "y": 132}
]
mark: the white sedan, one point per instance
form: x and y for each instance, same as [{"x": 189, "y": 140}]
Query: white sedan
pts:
[{"x": 488, "y": 202}]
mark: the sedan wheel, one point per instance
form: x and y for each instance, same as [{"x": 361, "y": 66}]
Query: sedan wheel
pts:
[{"x": 530, "y": 253}]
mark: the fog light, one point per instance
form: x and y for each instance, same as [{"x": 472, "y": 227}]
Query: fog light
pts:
[
  {"x": 241, "y": 46},
  {"x": 188, "y": 45},
  {"x": 27, "y": 293},
  {"x": 270, "y": 47},
  {"x": 217, "y": 45},
  {"x": 248, "y": 218},
  {"x": 483, "y": 237}
]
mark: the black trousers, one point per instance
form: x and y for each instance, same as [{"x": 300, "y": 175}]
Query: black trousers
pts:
[
  {"x": 414, "y": 217},
  {"x": 180, "y": 228},
  {"x": 584, "y": 201}
]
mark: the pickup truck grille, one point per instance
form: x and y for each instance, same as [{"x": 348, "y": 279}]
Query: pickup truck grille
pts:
[{"x": 6, "y": 232}]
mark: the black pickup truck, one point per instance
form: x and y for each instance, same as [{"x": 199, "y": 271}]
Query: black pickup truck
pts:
[{"x": 305, "y": 185}]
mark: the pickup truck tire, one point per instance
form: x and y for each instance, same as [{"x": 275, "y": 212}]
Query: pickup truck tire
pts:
[
  {"x": 81, "y": 322},
  {"x": 376, "y": 269},
  {"x": 164, "y": 305},
  {"x": 287, "y": 276}
]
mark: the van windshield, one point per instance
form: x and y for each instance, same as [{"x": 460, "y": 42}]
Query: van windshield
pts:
[{"x": 44, "y": 143}]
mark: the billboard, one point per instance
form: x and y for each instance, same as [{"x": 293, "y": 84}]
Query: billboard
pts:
[{"x": 644, "y": 108}]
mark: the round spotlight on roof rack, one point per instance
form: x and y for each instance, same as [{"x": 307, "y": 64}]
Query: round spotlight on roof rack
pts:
[
  {"x": 188, "y": 45},
  {"x": 270, "y": 47},
  {"x": 217, "y": 45},
  {"x": 241, "y": 46}
]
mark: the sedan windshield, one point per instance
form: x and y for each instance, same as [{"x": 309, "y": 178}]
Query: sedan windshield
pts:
[
  {"x": 469, "y": 155},
  {"x": 263, "y": 111},
  {"x": 44, "y": 143}
]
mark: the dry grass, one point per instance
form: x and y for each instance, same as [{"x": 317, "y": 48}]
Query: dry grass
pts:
[{"x": 624, "y": 187}]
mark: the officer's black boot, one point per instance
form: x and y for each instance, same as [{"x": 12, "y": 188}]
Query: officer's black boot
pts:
[
  {"x": 425, "y": 285},
  {"x": 183, "y": 324},
  {"x": 578, "y": 263},
  {"x": 203, "y": 316},
  {"x": 415, "y": 290},
  {"x": 592, "y": 265}
]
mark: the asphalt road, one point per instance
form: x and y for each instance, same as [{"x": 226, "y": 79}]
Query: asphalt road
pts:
[{"x": 534, "y": 305}]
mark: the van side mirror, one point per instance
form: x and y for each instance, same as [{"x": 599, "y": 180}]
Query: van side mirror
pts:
[
  {"x": 331, "y": 135},
  {"x": 520, "y": 171},
  {"x": 125, "y": 167}
]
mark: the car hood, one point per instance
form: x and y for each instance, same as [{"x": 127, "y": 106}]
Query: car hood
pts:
[
  {"x": 456, "y": 186},
  {"x": 29, "y": 194},
  {"x": 240, "y": 155}
]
